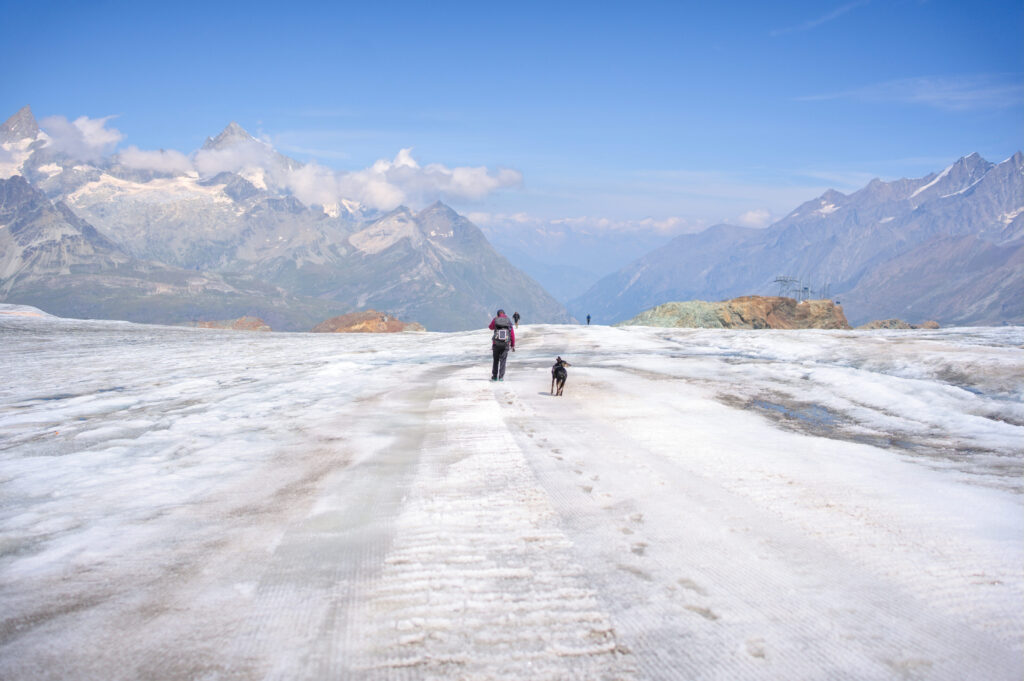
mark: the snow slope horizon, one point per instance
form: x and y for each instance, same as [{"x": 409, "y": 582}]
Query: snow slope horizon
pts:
[{"x": 700, "y": 504}]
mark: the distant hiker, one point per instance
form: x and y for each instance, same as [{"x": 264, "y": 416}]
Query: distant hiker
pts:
[
  {"x": 515, "y": 318},
  {"x": 588, "y": 320},
  {"x": 502, "y": 339}
]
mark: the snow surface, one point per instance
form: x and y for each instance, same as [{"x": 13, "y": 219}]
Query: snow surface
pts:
[
  {"x": 1007, "y": 218},
  {"x": 935, "y": 181},
  {"x": 255, "y": 175},
  {"x": 701, "y": 504},
  {"x": 50, "y": 169},
  {"x": 158, "y": 190},
  {"x": 13, "y": 156},
  {"x": 965, "y": 189}
]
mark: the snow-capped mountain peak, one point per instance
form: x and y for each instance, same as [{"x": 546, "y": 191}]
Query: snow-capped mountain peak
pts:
[
  {"x": 956, "y": 178},
  {"x": 20, "y": 126},
  {"x": 19, "y": 137},
  {"x": 230, "y": 136}
]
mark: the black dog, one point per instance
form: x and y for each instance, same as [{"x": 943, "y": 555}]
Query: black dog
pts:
[{"x": 558, "y": 376}]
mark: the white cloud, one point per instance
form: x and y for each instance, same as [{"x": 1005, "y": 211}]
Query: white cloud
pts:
[
  {"x": 818, "y": 21},
  {"x": 488, "y": 219},
  {"x": 371, "y": 187},
  {"x": 404, "y": 159},
  {"x": 314, "y": 185},
  {"x": 967, "y": 93},
  {"x": 241, "y": 155},
  {"x": 85, "y": 139},
  {"x": 759, "y": 217},
  {"x": 669, "y": 225},
  {"x": 165, "y": 161},
  {"x": 386, "y": 184}
]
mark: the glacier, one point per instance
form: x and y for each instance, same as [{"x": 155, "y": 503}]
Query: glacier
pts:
[{"x": 702, "y": 504}]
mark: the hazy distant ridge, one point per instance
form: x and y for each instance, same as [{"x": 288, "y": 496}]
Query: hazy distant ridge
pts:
[{"x": 949, "y": 246}]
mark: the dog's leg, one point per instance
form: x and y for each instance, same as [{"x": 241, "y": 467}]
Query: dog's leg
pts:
[{"x": 552, "y": 385}]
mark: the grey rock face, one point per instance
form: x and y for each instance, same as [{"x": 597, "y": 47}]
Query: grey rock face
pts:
[
  {"x": 41, "y": 238},
  {"x": 52, "y": 259},
  {"x": 21, "y": 125},
  {"x": 230, "y": 136},
  {"x": 434, "y": 267}
]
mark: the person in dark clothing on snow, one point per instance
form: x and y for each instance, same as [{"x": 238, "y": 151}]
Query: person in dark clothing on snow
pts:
[
  {"x": 588, "y": 320},
  {"x": 515, "y": 318},
  {"x": 503, "y": 338}
]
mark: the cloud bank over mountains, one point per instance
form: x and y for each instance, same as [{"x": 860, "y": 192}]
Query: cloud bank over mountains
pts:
[
  {"x": 385, "y": 185},
  {"x": 162, "y": 161},
  {"x": 84, "y": 139},
  {"x": 710, "y": 196}
]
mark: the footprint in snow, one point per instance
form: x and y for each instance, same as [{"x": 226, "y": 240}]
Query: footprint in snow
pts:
[
  {"x": 692, "y": 586},
  {"x": 755, "y": 648},
  {"x": 706, "y": 613}
]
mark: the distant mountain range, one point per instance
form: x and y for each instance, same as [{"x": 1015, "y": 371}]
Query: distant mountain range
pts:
[
  {"x": 105, "y": 239},
  {"x": 949, "y": 247},
  {"x": 568, "y": 259},
  {"x": 223, "y": 234}
]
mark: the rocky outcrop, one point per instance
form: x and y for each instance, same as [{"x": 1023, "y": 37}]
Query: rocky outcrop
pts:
[
  {"x": 368, "y": 321},
  {"x": 748, "y": 312},
  {"x": 245, "y": 323},
  {"x": 896, "y": 324}
]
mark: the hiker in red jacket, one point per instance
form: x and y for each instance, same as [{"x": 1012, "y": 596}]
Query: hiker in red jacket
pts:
[{"x": 503, "y": 338}]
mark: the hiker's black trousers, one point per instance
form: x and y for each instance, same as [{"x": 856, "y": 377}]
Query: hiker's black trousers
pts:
[{"x": 500, "y": 352}]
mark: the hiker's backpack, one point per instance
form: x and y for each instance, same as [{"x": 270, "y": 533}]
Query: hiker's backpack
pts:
[{"x": 502, "y": 330}]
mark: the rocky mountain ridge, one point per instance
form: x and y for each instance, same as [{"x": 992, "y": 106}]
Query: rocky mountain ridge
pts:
[
  {"x": 949, "y": 246},
  {"x": 53, "y": 260},
  {"x": 231, "y": 215}
]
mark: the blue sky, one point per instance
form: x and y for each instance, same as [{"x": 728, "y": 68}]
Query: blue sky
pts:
[{"x": 678, "y": 114}]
